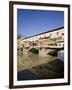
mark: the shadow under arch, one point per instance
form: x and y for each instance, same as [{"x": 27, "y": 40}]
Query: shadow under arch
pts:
[{"x": 34, "y": 50}]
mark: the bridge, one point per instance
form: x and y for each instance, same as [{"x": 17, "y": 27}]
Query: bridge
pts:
[
  {"x": 40, "y": 50},
  {"x": 43, "y": 42}
]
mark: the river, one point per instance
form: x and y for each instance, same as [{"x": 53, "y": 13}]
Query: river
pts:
[{"x": 30, "y": 60}]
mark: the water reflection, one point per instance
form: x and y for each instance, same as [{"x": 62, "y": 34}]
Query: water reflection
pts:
[{"x": 30, "y": 60}]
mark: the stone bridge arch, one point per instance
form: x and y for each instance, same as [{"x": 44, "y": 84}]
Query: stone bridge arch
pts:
[
  {"x": 42, "y": 52},
  {"x": 33, "y": 50}
]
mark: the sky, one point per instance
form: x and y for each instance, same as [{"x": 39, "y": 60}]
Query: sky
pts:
[{"x": 31, "y": 22}]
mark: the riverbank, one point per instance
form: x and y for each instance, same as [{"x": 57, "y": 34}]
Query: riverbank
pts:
[{"x": 50, "y": 70}]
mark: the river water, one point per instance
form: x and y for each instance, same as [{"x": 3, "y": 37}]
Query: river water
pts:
[{"x": 30, "y": 60}]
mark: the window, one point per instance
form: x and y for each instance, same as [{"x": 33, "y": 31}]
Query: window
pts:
[
  {"x": 62, "y": 33},
  {"x": 63, "y": 45},
  {"x": 40, "y": 36},
  {"x": 50, "y": 35},
  {"x": 55, "y": 44},
  {"x": 59, "y": 44},
  {"x": 57, "y": 33},
  {"x": 44, "y": 35}
]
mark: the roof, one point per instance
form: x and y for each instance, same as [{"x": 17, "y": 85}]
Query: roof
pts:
[{"x": 45, "y": 32}]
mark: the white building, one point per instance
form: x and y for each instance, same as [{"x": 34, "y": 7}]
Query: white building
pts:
[{"x": 52, "y": 39}]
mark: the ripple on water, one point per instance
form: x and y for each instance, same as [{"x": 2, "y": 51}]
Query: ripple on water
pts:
[{"x": 30, "y": 60}]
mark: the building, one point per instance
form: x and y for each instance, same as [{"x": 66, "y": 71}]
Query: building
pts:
[{"x": 50, "y": 39}]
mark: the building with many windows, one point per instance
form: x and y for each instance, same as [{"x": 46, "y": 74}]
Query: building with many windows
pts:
[{"x": 50, "y": 39}]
